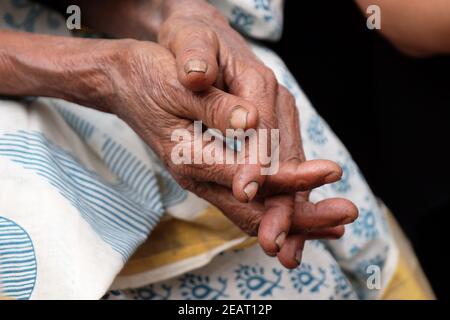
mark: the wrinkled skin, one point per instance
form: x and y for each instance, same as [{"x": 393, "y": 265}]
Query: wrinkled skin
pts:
[
  {"x": 138, "y": 82},
  {"x": 158, "y": 98},
  {"x": 209, "y": 53}
]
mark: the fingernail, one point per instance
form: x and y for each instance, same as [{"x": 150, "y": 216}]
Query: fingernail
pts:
[
  {"x": 238, "y": 119},
  {"x": 279, "y": 241},
  {"x": 251, "y": 189},
  {"x": 195, "y": 66},
  {"x": 298, "y": 256},
  {"x": 332, "y": 177}
]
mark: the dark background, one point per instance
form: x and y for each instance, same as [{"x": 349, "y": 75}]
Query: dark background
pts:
[{"x": 390, "y": 111}]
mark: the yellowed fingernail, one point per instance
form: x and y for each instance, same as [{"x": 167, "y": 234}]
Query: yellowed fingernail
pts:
[
  {"x": 279, "y": 241},
  {"x": 251, "y": 189},
  {"x": 238, "y": 119},
  {"x": 195, "y": 66}
]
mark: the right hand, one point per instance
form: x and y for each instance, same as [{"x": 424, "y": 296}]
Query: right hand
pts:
[
  {"x": 153, "y": 102},
  {"x": 147, "y": 95}
]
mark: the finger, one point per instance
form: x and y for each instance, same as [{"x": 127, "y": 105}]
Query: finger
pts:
[
  {"x": 289, "y": 125},
  {"x": 210, "y": 162},
  {"x": 250, "y": 83},
  {"x": 223, "y": 175},
  {"x": 295, "y": 176},
  {"x": 219, "y": 110},
  {"x": 287, "y": 176},
  {"x": 257, "y": 84},
  {"x": 247, "y": 182},
  {"x": 326, "y": 233},
  {"x": 290, "y": 254},
  {"x": 253, "y": 82},
  {"x": 247, "y": 216},
  {"x": 204, "y": 157},
  {"x": 223, "y": 111},
  {"x": 275, "y": 223},
  {"x": 196, "y": 51},
  {"x": 324, "y": 214}
]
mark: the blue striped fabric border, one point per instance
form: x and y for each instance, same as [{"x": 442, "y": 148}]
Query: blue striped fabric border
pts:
[
  {"x": 171, "y": 192},
  {"x": 121, "y": 221},
  {"x": 132, "y": 173},
  {"x": 79, "y": 125},
  {"x": 139, "y": 178},
  {"x": 17, "y": 261}
]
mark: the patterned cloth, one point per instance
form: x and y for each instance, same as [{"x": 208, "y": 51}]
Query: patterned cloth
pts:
[{"x": 80, "y": 192}]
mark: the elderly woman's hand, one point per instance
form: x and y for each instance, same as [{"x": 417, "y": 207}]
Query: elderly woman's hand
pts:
[
  {"x": 137, "y": 81},
  {"x": 210, "y": 53},
  {"x": 155, "y": 104}
]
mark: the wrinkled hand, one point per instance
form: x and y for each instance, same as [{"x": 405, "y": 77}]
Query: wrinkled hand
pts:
[
  {"x": 284, "y": 222},
  {"x": 156, "y": 104},
  {"x": 210, "y": 53}
]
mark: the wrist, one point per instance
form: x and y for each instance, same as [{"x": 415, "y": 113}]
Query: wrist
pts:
[
  {"x": 83, "y": 74},
  {"x": 90, "y": 74}
]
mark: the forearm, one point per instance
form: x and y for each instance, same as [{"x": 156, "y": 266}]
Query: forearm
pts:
[
  {"x": 72, "y": 69},
  {"x": 416, "y": 27}
]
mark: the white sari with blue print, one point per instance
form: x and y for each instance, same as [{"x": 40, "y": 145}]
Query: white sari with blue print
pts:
[{"x": 79, "y": 192}]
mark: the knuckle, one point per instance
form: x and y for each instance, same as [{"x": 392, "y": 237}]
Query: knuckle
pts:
[
  {"x": 286, "y": 95},
  {"x": 338, "y": 233},
  {"x": 250, "y": 225},
  {"x": 288, "y": 100},
  {"x": 213, "y": 114},
  {"x": 186, "y": 183},
  {"x": 207, "y": 34},
  {"x": 188, "y": 52},
  {"x": 215, "y": 106},
  {"x": 270, "y": 77},
  {"x": 135, "y": 50}
]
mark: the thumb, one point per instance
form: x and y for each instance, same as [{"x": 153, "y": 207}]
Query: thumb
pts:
[
  {"x": 196, "y": 50},
  {"x": 218, "y": 110}
]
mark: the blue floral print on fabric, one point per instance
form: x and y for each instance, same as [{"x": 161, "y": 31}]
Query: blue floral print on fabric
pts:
[
  {"x": 29, "y": 20},
  {"x": 252, "y": 280},
  {"x": 199, "y": 287},
  {"x": 18, "y": 266},
  {"x": 307, "y": 277}
]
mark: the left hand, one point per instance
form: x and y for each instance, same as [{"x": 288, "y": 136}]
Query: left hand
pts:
[
  {"x": 284, "y": 222},
  {"x": 209, "y": 53}
]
